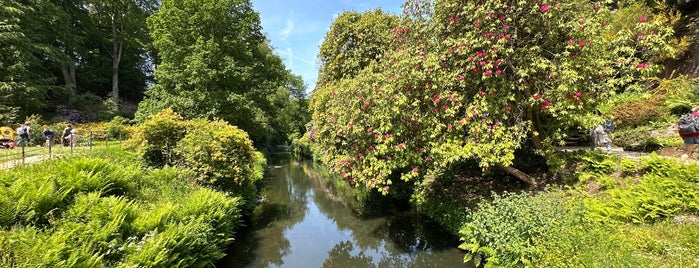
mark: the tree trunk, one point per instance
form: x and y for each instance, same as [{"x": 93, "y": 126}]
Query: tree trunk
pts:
[
  {"x": 536, "y": 125},
  {"x": 117, "y": 47},
  {"x": 520, "y": 175},
  {"x": 68, "y": 71}
]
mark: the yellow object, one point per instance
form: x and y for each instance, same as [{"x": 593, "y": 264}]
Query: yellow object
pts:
[{"x": 7, "y": 133}]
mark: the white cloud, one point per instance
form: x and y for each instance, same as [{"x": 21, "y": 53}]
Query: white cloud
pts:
[{"x": 287, "y": 31}]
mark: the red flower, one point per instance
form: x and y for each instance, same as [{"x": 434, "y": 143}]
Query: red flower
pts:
[
  {"x": 597, "y": 8},
  {"x": 544, "y": 8},
  {"x": 642, "y": 19},
  {"x": 498, "y": 72}
]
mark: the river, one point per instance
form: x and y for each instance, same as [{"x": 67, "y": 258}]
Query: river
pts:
[{"x": 303, "y": 222}]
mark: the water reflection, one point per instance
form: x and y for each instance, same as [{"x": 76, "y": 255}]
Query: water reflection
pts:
[{"x": 303, "y": 222}]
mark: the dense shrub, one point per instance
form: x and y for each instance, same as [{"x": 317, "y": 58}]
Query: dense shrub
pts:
[
  {"x": 505, "y": 231},
  {"x": 158, "y": 136},
  {"x": 106, "y": 212},
  {"x": 638, "y": 111},
  {"x": 222, "y": 156}
]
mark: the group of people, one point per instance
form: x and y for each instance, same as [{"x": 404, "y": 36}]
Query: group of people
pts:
[{"x": 68, "y": 138}]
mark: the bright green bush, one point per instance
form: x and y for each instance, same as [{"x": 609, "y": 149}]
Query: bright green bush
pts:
[
  {"x": 222, "y": 156},
  {"x": 506, "y": 231},
  {"x": 158, "y": 136}
]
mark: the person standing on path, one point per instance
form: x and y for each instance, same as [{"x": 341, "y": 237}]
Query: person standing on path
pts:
[
  {"x": 48, "y": 135},
  {"x": 690, "y": 139},
  {"x": 23, "y": 132},
  {"x": 66, "y": 133},
  {"x": 73, "y": 138},
  {"x": 599, "y": 134}
]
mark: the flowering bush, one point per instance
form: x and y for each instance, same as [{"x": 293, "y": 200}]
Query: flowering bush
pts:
[{"x": 476, "y": 79}]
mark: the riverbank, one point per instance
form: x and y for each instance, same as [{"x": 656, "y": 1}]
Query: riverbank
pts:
[
  {"x": 601, "y": 211},
  {"x": 104, "y": 210}
]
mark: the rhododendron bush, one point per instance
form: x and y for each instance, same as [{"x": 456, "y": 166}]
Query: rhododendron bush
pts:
[{"x": 477, "y": 80}]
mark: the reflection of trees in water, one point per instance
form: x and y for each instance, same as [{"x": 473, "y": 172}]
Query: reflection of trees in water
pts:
[
  {"x": 341, "y": 256},
  {"x": 284, "y": 205},
  {"x": 412, "y": 238}
]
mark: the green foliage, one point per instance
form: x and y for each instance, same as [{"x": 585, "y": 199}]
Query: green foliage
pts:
[
  {"x": 158, "y": 136},
  {"x": 473, "y": 80},
  {"x": 666, "y": 188},
  {"x": 353, "y": 41},
  {"x": 216, "y": 64},
  {"x": 682, "y": 92},
  {"x": 638, "y": 112},
  {"x": 117, "y": 127},
  {"x": 222, "y": 156},
  {"x": 506, "y": 231},
  {"x": 106, "y": 212}
]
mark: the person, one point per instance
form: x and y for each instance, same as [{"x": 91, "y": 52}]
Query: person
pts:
[
  {"x": 73, "y": 138},
  {"x": 64, "y": 136},
  {"x": 48, "y": 135},
  {"x": 690, "y": 139},
  {"x": 599, "y": 134},
  {"x": 23, "y": 132}
]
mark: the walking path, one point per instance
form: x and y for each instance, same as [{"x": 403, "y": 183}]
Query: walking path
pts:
[{"x": 618, "y": 151}]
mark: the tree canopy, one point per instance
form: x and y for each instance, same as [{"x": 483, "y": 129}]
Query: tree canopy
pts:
[
  {"x": 216, "y": 63},
  {"x": 477, "y": 80}
]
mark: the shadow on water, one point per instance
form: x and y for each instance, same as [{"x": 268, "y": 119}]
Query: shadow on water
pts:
[{"x": 304, "y": 222}]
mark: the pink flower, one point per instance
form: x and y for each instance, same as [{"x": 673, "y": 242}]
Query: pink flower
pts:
[
  {"x": 537, "y": 96},
  {"x": 642, "y": 19},
  {"x": 369, "y": 130},
  {"x": 449, "y": 126},
  {"x": 581, "y": 43},
  {"x": 498, "y": 72},
  {"x": 639, "y": 37},
  {"x": 544, "y": 8},
  {"x": 386, "y": 188},
  {"x": 415, "y": 170},
  {"x": 428, "y": 159},
  {"x": 488, "y": 72},
  {"x": 506, "y": 27},
  {"x": 371, "y": 148},
  {"x": 508, "y": 107},
  {"x": 642, "y": 65},
  {"x": 422, "y": 150},
  {"x": 400, "y": 146},
  {"x": 482, "y": 93},
  {"x": 597, "y": 8},
  {"x": 460, "y": 78}
]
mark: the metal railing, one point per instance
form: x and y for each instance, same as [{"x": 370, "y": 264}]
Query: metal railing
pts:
[{"x": 28, "y": 154}]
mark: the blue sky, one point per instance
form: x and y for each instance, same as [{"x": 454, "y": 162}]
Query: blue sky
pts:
[{"x": 297, "y": 28}]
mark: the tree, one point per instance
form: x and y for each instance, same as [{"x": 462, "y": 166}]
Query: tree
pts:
[
  {"x": 216, "y": 63},
  {"x": 354, "y": 40},
  {"x": 126, "y": 20},
  {"x": 477, "y": 80}
]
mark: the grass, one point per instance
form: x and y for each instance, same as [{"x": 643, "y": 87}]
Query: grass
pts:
[{"x": 11, "y": 157}]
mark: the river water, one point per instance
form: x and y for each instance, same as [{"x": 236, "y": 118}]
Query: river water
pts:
[{"x": 303, "y": 222}]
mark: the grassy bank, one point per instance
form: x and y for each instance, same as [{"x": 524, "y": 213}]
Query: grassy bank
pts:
[
  {"x": 611, "y": 212},
  {"x": 105, "y": 210}
]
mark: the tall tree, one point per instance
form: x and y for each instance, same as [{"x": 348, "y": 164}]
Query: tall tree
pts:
[
  {"x": 126, "y": 21},
  {"x": 354, "y": 40},
  {"x": 215, "y": 63}
]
